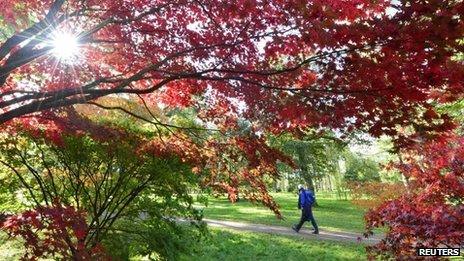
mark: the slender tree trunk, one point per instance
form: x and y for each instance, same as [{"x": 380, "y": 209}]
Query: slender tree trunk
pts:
[
  {"x": 304, "y": 170},
  {"x": 330, "y": 185},
  {"x": 405, "y": 179}
]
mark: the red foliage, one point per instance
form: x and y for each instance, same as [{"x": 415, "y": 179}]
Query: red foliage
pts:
[
  {"x": 295, "y": 64},
  {"x": 52, "y": 231},
  {"x": 228, "y": 164},
  {"x": 279, "y": 65},
  {"x": 432, "y": 213}
]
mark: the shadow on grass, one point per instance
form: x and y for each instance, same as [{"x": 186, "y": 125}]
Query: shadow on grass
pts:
[
  {"x": 232, "y": 245},
  {"x": 332, "y": 214}
]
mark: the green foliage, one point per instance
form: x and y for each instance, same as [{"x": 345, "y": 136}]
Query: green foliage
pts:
[
  {"x": 316, "y": 157},
  {"x": 454, "y": 109},
  {"x": 10, "y": 193},
  {"x": 151, "y": 224},
  {"x": 130, "y": 198},
  {"x": 134, "y": 237},
  {"x": 361, "y": 169},
  {"x": 10, "y": 249}
]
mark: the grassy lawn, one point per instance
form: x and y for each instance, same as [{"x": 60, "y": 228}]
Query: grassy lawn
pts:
[
  {"x": 224, "y": 244},
  {"x": 227, "y": 244},
  {"x": 331, "y": 214},
  {"x": 232, "y": 245}
]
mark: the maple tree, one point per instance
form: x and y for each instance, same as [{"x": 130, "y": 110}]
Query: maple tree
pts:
[
  {"x": 432, "y": 213},
  {"x": 79, "y": 195},
  {"x": 280, "y": 65},
  {"x": 64, "y": 230},
  {"x": 315, "y": 63}
]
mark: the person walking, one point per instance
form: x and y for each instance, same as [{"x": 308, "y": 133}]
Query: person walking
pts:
[{"x": 306, "y": 200}]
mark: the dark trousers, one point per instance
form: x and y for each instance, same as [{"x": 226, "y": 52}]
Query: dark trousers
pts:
[{"x": 307, "y": 215}]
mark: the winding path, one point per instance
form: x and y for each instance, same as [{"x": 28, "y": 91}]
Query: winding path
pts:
[{"x": 287, "y": 231}]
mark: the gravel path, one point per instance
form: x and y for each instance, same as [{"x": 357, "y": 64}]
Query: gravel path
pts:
[{"x": 287, "y": 231}]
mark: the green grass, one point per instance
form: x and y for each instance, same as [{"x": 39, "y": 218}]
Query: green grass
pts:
[
  {"x": 332, "y": 214},
  {"x": 232, "y": 245}
]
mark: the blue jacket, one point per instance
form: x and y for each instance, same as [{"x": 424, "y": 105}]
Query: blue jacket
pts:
[{"x": 305, "y": 198}]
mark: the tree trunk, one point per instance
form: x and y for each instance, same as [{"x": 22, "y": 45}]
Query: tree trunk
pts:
[
  {"x": 404, "y": 178},
  {"x": 302, "y": 159}
]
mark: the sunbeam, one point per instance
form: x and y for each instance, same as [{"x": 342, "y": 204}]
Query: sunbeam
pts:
[{"x": 65, "y": 47}]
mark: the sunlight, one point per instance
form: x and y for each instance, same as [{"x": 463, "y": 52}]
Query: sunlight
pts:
[{"x": 65, "y": 46}]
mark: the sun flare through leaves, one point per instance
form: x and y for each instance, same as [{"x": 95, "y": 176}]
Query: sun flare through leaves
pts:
[{"x": 65, "y": 47}]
